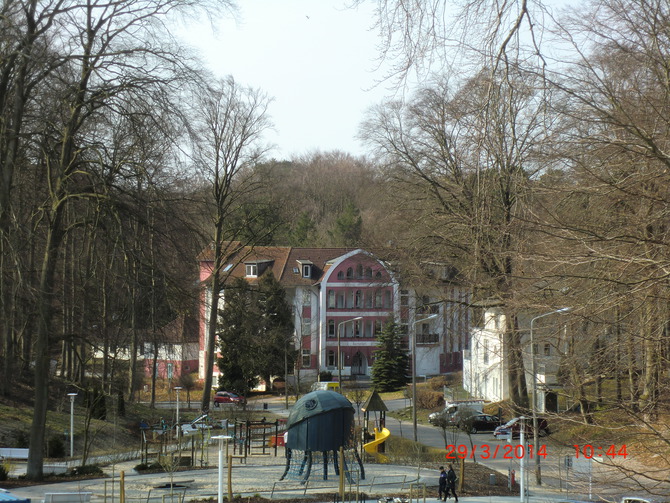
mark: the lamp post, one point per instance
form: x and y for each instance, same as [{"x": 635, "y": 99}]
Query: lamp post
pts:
[
  {"x": 339, "y": 350},
  {"x": 178, "y": 389},
  {"x": 72, "y": 395},
  {"x": 533, "y": 408},
  {"x": 432, "y": 316},
  {"x": 221, "y": 438}
]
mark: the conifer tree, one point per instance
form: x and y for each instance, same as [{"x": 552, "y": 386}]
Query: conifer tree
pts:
[{"x": 389, "y": 370}]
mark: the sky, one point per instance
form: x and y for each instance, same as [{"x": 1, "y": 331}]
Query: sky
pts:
[{"x": 317, "y": 59}]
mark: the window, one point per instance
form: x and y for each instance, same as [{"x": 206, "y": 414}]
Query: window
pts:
[
  {"x": 368, "y": 299},
  {"x": 387, "y": 298},
  {"x": 368, "y": 272},
  {"x": 358, "y": 299},
  {"x": 547, "y": 349},
  {"x": 307, "y": 271},
  {"x": 340, "y": 275},
  {"x": 331, "y": 328},
  {"x": 378, "y": 327},
  {"x": 170, "y": 370},
  {"x": 340, "y": 300},
  {"x": 486, "y": 352},
  {"x": 306, "y": 297},
  {"x": 331, "y": 358},
  {"x": 404, "y": 298},
  {"x": 350, "y": 272},
  {"x": 306, "y": 358},
  {"x": 369, "y": 328},
  {"x": 359, "y": 271},
  {"x": 306, "y": 327},
  {"x": 378, "y": 275},
  {"x": 350, "y": 300},
  {"x": 251, "y": 270},
  {"x": 378, "y": 298},
  {"x": 331, "y": 298},
  {"x": 357, "y": 328}
]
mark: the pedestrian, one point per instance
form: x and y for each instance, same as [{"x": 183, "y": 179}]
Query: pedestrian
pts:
[
  {"x": 451, "y": 482},
  {"x": 442, "y": 491}
]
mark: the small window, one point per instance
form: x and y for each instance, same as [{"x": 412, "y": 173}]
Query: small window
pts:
[
  {"x": 306, "y": 358},
  {"x": 378, "y": 275},
  {"x": 358, "y": 299},
  {"x": 357, "y": 328},
  {"x": 547, "y": 350},
  {"x": 306, "y": 327},
  {"x": 306, "y": 297},
  {"x": 350, "y": 272},
  {"x": 252, "y": 270},
  {"x": 404, "y": 298},
  {"x": 306, "y": 271},
  {"x": 228, "y": 267},
  {"x": 378, "y": 327},
  {"x": 331, "y": 358},
  {"x": 331, "y": 328},
  {"x": 331, "y": 299},
  {"x": 359, "y": 271},
  {"x": 340, "y": 275},
  {"x": 368, "y": 272},
  {"x": 296, "y": 270}
]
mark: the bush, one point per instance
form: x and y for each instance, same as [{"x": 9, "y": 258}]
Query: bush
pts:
[
  {"x": 324, "y": 375},
  {"x": 55, "y": 447},
  {"x": 4, "y": 472},
  {"x": 86, "y": 470},
  {"x": 437, "y": 383},
  {"x": 427, "y": 399}
]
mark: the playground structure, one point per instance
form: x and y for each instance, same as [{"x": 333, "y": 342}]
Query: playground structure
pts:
[
  {"x": 320, "y": 434},
  {"x": 373, "y": 443},
  {"x": 258, "y": 438}
]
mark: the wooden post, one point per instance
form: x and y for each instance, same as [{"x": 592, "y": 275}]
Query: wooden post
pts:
[
  {"x": 230, "y": 478},
  {"x": 341, "y": 474},
  {"x": 122, "y": 487}
]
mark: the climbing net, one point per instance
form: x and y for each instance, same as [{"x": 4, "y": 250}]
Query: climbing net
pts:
[{"x": 319, "y": 465}]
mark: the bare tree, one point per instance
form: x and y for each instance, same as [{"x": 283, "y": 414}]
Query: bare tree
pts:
[{"x": 229, "y": 123}]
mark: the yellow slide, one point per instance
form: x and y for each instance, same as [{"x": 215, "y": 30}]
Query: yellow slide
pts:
[{"x": 371, "y": 447}]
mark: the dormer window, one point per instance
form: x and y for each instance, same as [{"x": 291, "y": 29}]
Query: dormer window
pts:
[
  {"x": 251, "y": 270},
  {"x": 306, "y": 268}
]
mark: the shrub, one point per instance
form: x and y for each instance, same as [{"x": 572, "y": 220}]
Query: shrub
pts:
[
  {"x": 324, "y": 375},
  {"x": 86, "y": 470},
  {"x": 427, "y": 399},
  {"x": 4, "y": 472},
  {"x": 55, "y": 447},
  {"x": 437, "y": 383}
]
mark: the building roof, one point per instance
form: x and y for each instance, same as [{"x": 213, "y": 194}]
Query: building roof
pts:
[{"x": 283, "y": 261}]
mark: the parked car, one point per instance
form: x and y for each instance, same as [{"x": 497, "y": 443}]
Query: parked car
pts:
[
  {"x": 228, "y": 397},
  {"x": 513, "y": 427},
  {"x": 454, "y": 410},
  {"x": 479, "y": 422}
]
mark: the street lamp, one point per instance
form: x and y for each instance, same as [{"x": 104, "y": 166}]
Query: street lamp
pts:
[
  {"x": 533, "y": 408},
  {"x": 72, "y": 395},
  {"x": 339, "y": 351},
  {"x": 432, "y": 316},
  {"x": 178, "y": 389},
  {"x": 221, "y": 438}
]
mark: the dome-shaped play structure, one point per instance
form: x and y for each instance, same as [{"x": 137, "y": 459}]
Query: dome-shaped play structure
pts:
[{"x": 319, "y": 424}]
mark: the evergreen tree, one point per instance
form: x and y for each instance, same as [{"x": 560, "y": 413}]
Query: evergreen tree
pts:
[
  {"x": 348, "y": 226},
  {"x": 390, "y": 368},
  {"x": 275, "y": 349},
  {"x": 237, "y": 331},
  {"x": 255, "y": 334}
]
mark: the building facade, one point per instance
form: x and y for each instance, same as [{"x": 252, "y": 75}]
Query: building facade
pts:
[{"x": 350, "y": 293}]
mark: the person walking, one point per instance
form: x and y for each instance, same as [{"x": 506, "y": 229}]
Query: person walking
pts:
[
  {"x": 451, "y": 482},
  {"x": 442, "y": 491}
]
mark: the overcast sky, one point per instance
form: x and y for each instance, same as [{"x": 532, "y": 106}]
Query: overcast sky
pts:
[{"x": 316, "y": 58}]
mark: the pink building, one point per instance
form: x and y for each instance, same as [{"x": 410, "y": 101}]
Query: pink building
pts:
[{"x": 351, "y": 292}]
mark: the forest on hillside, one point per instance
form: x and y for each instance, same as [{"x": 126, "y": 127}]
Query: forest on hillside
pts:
[{"x": 533, "y": 158}]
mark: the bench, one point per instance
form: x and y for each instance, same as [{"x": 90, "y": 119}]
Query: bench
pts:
[
  {"x": 67, "y": 497},
  {"x": 13, "y": 453}
]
